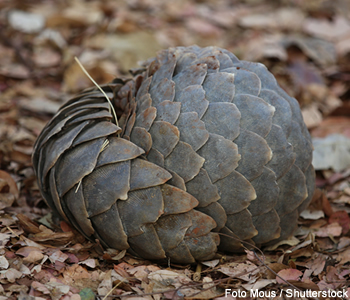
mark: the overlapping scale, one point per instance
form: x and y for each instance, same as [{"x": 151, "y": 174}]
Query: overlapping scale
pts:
[
  {"x": 126, "y": 151},
  {"x": 241, "y": 224},
  {"x": 109, "y": 224},
  {"x": 219, "y": 87},
  {"x": 66, "y": 176},
  {"x": 103, "y": 187},
  {"x": 177, "y": 201},
  {"x": 134, "y": 219},
  {"x": 193, "y": 75},
  {"x": 255, "y": 154},
  {"x": 221, "y": 156},
  {"x": 193, "y": 131},
  {"x": 193, "y": 100},
  {"x": 164, "y": 137},
  {"x": 168, "y": 111},
  {"x": 269, "y": 227},
  {"x": 203, "y": 189},
  {"x": 267, "y": 193},
  {"x": 236, "y": 192},
  {"x": 142, "y": 138},
  {"x": 184, "y": 161},
  {"x": 146, "y": 174},
  {"x": 223, "y": 118},
  {"x": 74, "y": 201},
  {"x": 245, "y": 82},
  {"x": 256, "y": 114}
]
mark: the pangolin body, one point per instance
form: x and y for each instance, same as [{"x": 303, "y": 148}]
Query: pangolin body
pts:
[{"x": 206, "y": 147}]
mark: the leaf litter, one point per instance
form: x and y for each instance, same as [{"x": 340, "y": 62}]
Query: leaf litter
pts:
[{"x": 45, "y": 259}]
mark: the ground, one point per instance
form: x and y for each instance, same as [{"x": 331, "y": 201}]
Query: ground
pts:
[{"x": 305, "y": 44}]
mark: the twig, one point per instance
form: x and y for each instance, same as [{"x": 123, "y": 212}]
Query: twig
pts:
[{"x": 102, "y": 91}]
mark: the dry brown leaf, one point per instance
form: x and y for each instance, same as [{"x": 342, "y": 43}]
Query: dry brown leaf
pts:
[
  {"x": 4, "y": 264},
  {"x": 330, "y": 30},
  {"x": 56, "y": 238},
  {"x": 286, "y": 18},
  {"x": 26, "y": 21},
  {"x": 317, "y": 264},
  {"x": 343, "y": 257},
  {"x": 45, "y": 57},
  {"x": 106, "y": 284},
  {"x": 42, "y": 105},
  {"x": 311, "y": 115},
  {"x": 211, "y": 263},
  {"x": 33, "y": 256},
  {"x": 288, "y": 274},
  {"x": 275, "y": 267},
  {"x": 343, "y": 242},
  {"x": 11, "y": 275},
  {"x": 331, "y": 125},
  {"x": 165, "y": 279},
  {"x": 57, "y": 289},
  {"x": 244, "y": 271},
  {"x": 341, "y": 218},
  {"x": 312, "y": 215},
  {"x": 25, "y": 251},
  {"x": 58, "y": 256},
  {"x": 90, "y": 262},
  {"x": 203, "y": 27},
  {"x": 333, "y": 229},
  {"x": 27, "y": 224},
  {"x": 40, "y": 287},
  {"x": 260, "y": 284}
]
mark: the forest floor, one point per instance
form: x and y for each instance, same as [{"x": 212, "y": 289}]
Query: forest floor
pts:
[{"x": 305, "y": 44}]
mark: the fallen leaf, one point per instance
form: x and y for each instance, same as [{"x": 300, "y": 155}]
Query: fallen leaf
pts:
[
  {"x": 333, "y": 229},
  {"x": 330, "y": 30},
  {"x": 90, "y": 262},
  {"x": 45, "y": 57},
  {"x": 56, "y": 238},
  {"x": 244, "y": 271},
  {"x": 127, "y": 49},
  {"x": 203, "y": 27},
  {"x": 342, "y": 218},
  {"x": 58, "y": 256},
  {"x": 27, "y": 224},
  {"x": 331, "y": 152},
  {"x": 26, "y": 21},
  {"x": 4, "y": 264},
  {"x": 275, "y": 267},
  {"x": 57, "y": 289},
  {"x": 332, "y": 125},
  {"x": 25, "y": 251},
  {"x": 106, "y": 284},
  {"x": 260, "y": 284},
  {"x": 312, "y": 215},
  {"x": 12, "y": 186},
  {"x": 288, "y": 274},
  {"x": 38, "y": 104},
  {"x": 311, "y": 115},
  {"x": 40, "y": 287},
  {"x": 11, "y": 275},
  {"x": 316, "y": 265},
  {"x": 343, "y": 242},
  {"x": 291, "y": 242},
  {"x": 33, "y": 256},
  {"x": 287, "y": 18},
  {"x": 165, "y": 279},
  {"x": 320, "y": 51},
  {"x": 211, "y": 263}
]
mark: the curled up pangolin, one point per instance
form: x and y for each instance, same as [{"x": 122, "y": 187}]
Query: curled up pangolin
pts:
[{"x": 205, "y": 146}]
